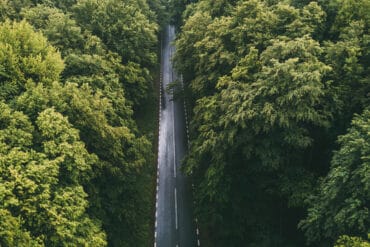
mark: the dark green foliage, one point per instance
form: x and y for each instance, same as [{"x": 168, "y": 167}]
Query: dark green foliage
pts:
[
  {"x": 123, "y": 27},
  {"x": 273, "y": 84},
  {"x": 341, "y": 204}
]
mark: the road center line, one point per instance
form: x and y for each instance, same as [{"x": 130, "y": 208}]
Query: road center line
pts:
[
  {"x": 173, "y": 136},
  {"x": 176, "y": 216}
]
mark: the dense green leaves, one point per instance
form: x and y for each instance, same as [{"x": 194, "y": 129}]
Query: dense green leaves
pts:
[
  {"x": 272, "y": 85},
  {"x": 340, "y": 207},
  {"x": 43, "y": 187},
  {"x": 75, "y": 170},
  {"x": 25, "y": 56},
  {"x": 346, "y": 241},
  {"x": 123, "y": 26}
]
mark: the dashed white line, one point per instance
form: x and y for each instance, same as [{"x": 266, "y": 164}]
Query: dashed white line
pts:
[
  {"x": 159, "y": 141},
  {"x": 188, "y": 142},
  {"x": 174, "y": 143},
  {"x": 176, "y": 216}
]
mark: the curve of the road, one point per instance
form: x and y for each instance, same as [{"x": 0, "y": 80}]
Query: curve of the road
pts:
[{"x": 174, "y": 222}]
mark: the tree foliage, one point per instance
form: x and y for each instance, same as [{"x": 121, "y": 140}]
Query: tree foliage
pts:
[
  {"x": 25, "y": 56},
  {"x": 43, "y": 187},
  {"x": 345, "y": 241},
  {"x": 272, "y": 85},
  {"x": 340, "y": 207},
  {"x": 75, "y": 169}
]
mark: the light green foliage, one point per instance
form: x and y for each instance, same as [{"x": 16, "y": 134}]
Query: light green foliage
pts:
[
  {"x": 43, "y": 187},
  {"x": 346, "y": 241},
  {"x": 59, "y": 28},
  {"x": 216, "y": 8},
  {"x": 11, "y": 233},
  {"x": 18, "y": 134},
  {"x": 87, "y": 58},
  {"x": 122, "y": 155},
  {"x": 68, "y": 142},
  {"x": 63, "y": 32},
  {"x": 25, "y": 56},
  {"x": 89, "y": 111}
]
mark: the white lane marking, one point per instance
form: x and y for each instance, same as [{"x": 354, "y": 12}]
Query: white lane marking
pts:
[
  {"x": 159, "y": 143},
  {"x": 187, "y": 132},
  {"x": 174, "y": 143},
  {"x": 186, "y": 114},
  {"x": 176, "y": 216}
]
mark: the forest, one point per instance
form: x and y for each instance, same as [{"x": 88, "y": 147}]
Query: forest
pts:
[
  {"x": 279, "y": 100},
  {"x": 280, "y": 120},
  {"x": 78, "y": 121}
]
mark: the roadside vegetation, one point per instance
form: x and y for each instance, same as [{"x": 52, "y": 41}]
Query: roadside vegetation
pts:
[
  {"x": 280, "y": 130},
  {"x": 76, "y": 126}
]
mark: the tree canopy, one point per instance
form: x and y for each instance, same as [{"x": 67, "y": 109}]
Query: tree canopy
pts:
[
  {"x": 272, "y": 86},
  {"x": 75, "y": 168}
]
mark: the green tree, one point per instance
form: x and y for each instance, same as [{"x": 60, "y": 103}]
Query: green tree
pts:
[
  {"x": 101, "y": 181},
  {"x": 25, "y": 56},
  {"x": 123, "y": 26},
  {"x": 272, "y": 85},
  {"x": 44, "y": 187},
  {"x": 340, "y": 205},
  {"x": 122, "y": 155}
]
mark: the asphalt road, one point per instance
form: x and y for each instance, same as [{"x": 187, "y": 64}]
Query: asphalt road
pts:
[{"x": 174, "y": 226}]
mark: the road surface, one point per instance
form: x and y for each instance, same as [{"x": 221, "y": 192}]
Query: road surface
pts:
[{"x": 174, "y": 225}]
